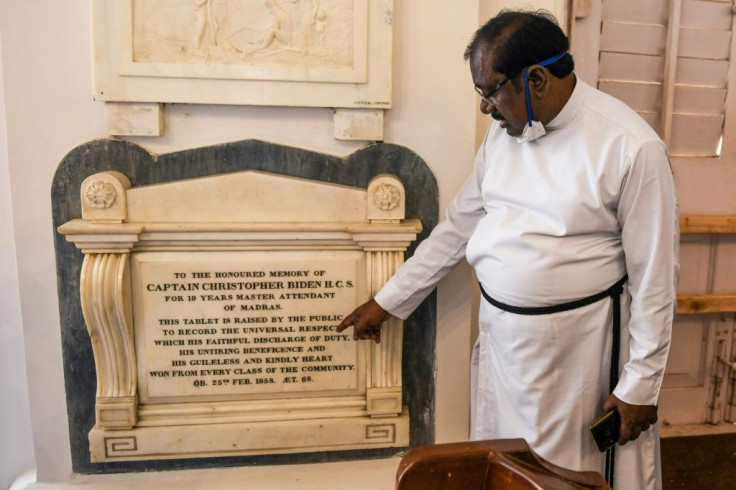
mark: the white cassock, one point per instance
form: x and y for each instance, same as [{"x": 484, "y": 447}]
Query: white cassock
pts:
[{"x": 550, "y": 221}]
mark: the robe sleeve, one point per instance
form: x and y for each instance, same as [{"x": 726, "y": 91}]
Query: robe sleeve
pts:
[
  {"x": 648, "y": 215},
  {"x": 439, "y": 253}
]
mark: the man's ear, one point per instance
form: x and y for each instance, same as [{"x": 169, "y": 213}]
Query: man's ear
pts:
[{"x": 539, "y": 81}]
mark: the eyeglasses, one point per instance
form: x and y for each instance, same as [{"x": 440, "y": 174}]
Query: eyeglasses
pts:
[{"x": 488, "y": 96}]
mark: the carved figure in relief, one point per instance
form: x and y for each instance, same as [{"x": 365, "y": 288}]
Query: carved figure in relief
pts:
[
  {"x": 206, "y": 22},
  {"x": 281, "y": 29},
  {"x": 320, "y": 27},
  {"x": 293, "y": 26}
]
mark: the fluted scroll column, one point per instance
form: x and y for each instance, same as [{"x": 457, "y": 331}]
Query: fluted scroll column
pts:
[
  {"x": 384, "y": 374},
  {"x": 106, "y": 305}
]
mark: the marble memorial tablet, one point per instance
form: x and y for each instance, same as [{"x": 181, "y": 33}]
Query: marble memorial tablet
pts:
[
  {"x": 213, "y": 321},
  {"x": 238, "y": 325}
]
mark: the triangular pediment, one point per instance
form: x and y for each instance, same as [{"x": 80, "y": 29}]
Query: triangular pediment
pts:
[{"x": 249, "y": 196}]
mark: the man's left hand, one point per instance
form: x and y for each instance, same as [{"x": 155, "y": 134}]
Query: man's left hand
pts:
[{"x": 635, "y": 419}]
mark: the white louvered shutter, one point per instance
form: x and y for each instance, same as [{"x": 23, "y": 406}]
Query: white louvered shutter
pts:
[{"x": 669, "y": 60}]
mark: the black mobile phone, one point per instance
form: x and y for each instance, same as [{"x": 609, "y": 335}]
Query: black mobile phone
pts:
[{"x": 605, "y": 430}]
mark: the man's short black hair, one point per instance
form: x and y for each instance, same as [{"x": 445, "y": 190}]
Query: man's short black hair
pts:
[{"x": 522, "y": 38}]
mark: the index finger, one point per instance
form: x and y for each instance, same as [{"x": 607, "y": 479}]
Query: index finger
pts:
[{"x": 346, "y": 322}]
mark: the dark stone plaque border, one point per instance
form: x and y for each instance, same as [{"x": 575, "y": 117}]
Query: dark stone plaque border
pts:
[{"x": 144, "y": 168}]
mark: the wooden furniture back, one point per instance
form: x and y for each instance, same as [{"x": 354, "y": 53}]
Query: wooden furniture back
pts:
[{"x": 507, "y": 464}]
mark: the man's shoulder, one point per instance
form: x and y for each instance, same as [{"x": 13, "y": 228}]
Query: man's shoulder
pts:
[{"x": 615, "y": 116}]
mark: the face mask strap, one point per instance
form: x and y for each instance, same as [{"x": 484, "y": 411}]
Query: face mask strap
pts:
[
  {"x": 546, "y": 62},
  {"x": 528, "y": 97}
]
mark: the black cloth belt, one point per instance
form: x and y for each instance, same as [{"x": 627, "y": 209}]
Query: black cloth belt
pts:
[
  {"x": 614, "y": 292},
  {"x": 611, "y": 292}
]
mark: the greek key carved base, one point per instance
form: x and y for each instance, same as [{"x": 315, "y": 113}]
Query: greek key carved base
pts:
[{"x": 242, "y": 439}]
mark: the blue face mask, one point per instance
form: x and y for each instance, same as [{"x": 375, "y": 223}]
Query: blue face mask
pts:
[{"x": 534, "y": 129}]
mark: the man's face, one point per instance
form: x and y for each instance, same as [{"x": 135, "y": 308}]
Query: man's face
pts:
[{"x": 507, "y": 104}]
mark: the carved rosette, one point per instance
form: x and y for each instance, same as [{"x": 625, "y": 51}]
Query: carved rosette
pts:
[
  {"x": 103, "y": 197},
  {"x": 105, "y": 297},
  {"x": 386, "y": 197},
  {"x": 100, "y": 195}
]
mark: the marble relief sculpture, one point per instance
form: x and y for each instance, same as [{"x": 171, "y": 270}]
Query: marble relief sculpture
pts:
[
  {"x": 312, "y": 33},
  {"x": 319, "y": 53}
]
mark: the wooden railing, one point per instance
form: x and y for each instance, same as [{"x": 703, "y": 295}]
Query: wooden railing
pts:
[
  {"x": 707, "y": 224},
  {"x": 707, "y": 303}
]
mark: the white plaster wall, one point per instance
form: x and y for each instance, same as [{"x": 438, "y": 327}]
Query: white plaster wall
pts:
[
  {"x": 16, "y": 448},
  {"x": 46, "y": 58}
]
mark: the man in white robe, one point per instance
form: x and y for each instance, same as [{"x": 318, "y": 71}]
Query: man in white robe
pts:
[{"x": 571, "y": 191}]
